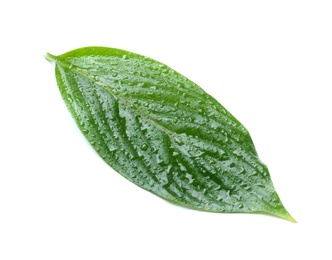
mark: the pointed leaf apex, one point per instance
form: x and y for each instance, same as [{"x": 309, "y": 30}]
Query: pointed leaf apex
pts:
[
  {"x": 291, "y": 219},
  {"x": 285, "y": 215}
]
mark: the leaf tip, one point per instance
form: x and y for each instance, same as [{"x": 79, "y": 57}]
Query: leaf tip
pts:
[
  {"x": 290, "y": 218},
  {"x": 285, "y": 215}
]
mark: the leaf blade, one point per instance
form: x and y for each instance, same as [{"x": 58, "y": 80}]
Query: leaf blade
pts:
[{"x": 164, "y": 133}]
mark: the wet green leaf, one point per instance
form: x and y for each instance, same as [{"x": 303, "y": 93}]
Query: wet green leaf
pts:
[{"x": 163, "y": 132}]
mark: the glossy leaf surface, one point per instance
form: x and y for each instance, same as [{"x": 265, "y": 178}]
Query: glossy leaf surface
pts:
[{"x": 163, "y": 132}]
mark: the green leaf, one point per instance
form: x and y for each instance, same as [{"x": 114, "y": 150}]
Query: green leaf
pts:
[{"x": 164, "y": 133}]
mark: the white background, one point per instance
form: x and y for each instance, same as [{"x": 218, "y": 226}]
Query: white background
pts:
[{"x": 268, "y": 62}]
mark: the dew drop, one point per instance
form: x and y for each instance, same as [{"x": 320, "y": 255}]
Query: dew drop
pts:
[
  {"x": 144, "y": 147},
  {"x": 239, "y": 205},
  {"x": 112, "y": 148}
]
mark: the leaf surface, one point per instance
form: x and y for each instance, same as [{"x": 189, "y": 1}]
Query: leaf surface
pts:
[{"x": 163, "y": 132}]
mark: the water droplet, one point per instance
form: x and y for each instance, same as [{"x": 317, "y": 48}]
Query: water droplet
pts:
[
  {"x": 239, "y": 205},
  {"x": 159, "y": 160},
  {"x": 144, "y": 147},
  {"x": 113, "y": 148},
  {"x": 190, "y": 178}
]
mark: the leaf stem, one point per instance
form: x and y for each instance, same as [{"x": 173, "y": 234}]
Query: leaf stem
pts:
[{"x": 50, "y": 57}]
